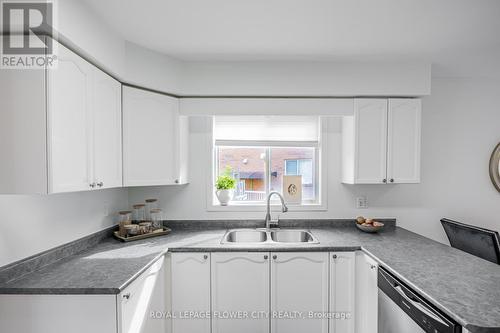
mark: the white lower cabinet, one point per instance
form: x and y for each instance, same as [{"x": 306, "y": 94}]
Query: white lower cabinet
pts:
[
  {"x": 240, "y": 285},
  {"x": 127, "y": 312},
  {"x": 299, "y": 286},
  {"x": 342, "y": 288},
  {"x": 366, "y": 295},
  {"x": 190, "y": 292}
]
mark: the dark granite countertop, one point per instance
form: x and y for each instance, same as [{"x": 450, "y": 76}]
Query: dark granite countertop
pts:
[{"x": 464, "y": 287}]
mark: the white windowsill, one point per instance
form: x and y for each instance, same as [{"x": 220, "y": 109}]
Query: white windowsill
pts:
[{"x": 261, "y": 207}]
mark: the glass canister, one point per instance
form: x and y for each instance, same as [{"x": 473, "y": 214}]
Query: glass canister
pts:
[
  {"x": 124, "y": 218},
  {"x": 150, "y": 205},
  {"x": 157, "y": 218},
  {"x": 139, "y": 213}
]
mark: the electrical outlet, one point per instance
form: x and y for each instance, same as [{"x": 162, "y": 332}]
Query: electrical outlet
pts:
[{"x": 361, "y": 202}]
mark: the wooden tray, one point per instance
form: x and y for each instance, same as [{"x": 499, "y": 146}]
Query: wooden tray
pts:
[{"x": 159, "y": 232}]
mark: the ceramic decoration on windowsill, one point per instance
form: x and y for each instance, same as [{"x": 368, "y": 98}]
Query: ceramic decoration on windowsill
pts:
[{"x": 225, "y": 185}]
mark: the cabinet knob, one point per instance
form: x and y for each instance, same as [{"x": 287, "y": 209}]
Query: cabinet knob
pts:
[
  {"x": 176, "y": 181},
  {"x": 92, "y": 185},
  {"x": 205, "y": 257},
  {"x": 384, "y": 181},
  {"x": 100, "y": 184},
  {"x": 126, "y": 296},
  {"x": 373, "y": 266},
  {"x": 266, "y": 256},
  {"x": 392, "y": 180},
  {"x": 275, "y": 257},
  {"x": 334, "y": 256}
]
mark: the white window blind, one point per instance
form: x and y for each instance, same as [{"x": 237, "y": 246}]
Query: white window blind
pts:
[{"x": 267, "y": 130}]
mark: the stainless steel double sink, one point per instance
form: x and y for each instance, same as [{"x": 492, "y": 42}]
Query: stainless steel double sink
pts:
[{"x": 271, "y": 236}]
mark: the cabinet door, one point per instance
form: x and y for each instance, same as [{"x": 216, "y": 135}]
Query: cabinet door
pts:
[
  {"x": 107, "y": 120},
  {"x": 149, "y": 138},
  {"x": 370, "y": 117},
  {"x": 299, "y": 285},
  {"x": 404, "y": 123},
  {"x": 366, "y": 299},
  {"x": 69, "y": 119},
  {"x": 190, "y": 291},
  {"x": 342, "y": 284},
  {"x": 240, "y": 282},
  {"x": 141, "y": 297}
]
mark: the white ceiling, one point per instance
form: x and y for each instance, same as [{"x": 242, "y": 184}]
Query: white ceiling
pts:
[{"x": 448, "y": 33}]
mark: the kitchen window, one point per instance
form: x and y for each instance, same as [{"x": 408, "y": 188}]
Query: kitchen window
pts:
[{"x": 258, "y": 151}]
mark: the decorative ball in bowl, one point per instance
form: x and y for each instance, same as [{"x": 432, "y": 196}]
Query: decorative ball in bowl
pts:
[{"x": 368, "y": 225}]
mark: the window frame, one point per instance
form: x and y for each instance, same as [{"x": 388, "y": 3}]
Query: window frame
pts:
[{"x": 319, "y": 174}]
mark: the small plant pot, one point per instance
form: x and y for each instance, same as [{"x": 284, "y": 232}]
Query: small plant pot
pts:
[{"x": 224, "y": 196}]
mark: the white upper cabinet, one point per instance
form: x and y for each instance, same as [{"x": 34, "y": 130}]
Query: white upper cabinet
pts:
[
  {"x": 381, "y": 142},
  {"x": 299, "y": 282},
  {"x": 154, "y": 139},
  {"x": 107, "y": 126},
  {"x": 69, "y": 138},
  {"x": 69, "y": 93},
  {"x": 240, "y": 282},
  {"x": 403, "y": 144}
]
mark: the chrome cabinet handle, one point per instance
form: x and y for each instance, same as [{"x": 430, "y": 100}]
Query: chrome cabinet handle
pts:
[
  {"x": 334, "y": 256},
  {"x": 266, "y": 256},
  {"x": 92, "y": 185},
  {"x": 392, "y": 180},
  {"x": 275, "y": 257},
  {"x": 205, "y": 257},
  {"x": 100, "y": 184},
  {"x": 176, "y": 181},
  {"x": 384, "y": 181},
  {"x": 126, "y": 296}
]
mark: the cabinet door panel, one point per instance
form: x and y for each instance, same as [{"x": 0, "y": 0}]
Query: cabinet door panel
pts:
[
  {"x": 141, "y": 297},
  {"x": 371, "y": 140},
  {"x": 404, "y": 125},
  {"x": 240, "y": 282},
  {"x": 366, "y": 298},
  {"x": 107, "y": 131},
  {"x": 69, "y": 96},
  {"x": 149, "y": 120},
  {"x": 299, "y": 284},
  {"x": 190, "y": 291},
  {"x": 342, "y": 285}
]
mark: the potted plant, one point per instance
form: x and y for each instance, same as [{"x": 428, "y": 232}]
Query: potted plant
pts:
[{"x": 225, "y": 185}]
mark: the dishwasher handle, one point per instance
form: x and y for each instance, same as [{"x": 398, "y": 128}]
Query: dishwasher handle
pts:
[{"x": 422, "y": 313}]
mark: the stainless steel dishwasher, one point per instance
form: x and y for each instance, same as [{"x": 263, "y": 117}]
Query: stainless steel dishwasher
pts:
[{"x": 401, "y": 310}]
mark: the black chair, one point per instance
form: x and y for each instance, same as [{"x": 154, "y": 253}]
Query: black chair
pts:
[{"x": 480, "y": 242}]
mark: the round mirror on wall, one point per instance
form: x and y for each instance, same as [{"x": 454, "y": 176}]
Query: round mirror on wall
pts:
[{"x": 495, "y": 167}]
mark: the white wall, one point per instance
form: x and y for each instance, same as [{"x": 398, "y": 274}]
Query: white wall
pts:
[
  {"x": 34, "y": 223},
  {"x": 282, "y": 78},
  {"x": 460, "y": 128}
]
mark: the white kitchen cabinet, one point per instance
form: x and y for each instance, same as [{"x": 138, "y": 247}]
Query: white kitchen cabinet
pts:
[
  {"x": 67, "y": 135},
  {"x": 107, "y": 125},
  {"x": 403, "y": 144},
  {"x": 154, "y": 139},
  {"x": 299, "y": 283},
  {"x": 240, "y": 282},
  {"x": 381, "y": 142},
  {"x": 190, "y": 291},
  {"x": 366, "y": 294},
  {"x": 143, "y": 295},
  {"x": 342, "y": 291},
  {"x": 128, "y": 312}
]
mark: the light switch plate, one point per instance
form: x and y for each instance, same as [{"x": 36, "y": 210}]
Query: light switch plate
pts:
[{"x": 361, "y": 202}]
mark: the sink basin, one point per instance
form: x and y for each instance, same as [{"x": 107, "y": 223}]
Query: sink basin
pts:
[
  {"x": 245, "y": 236},
  {"x": 292, "y": 236}
]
